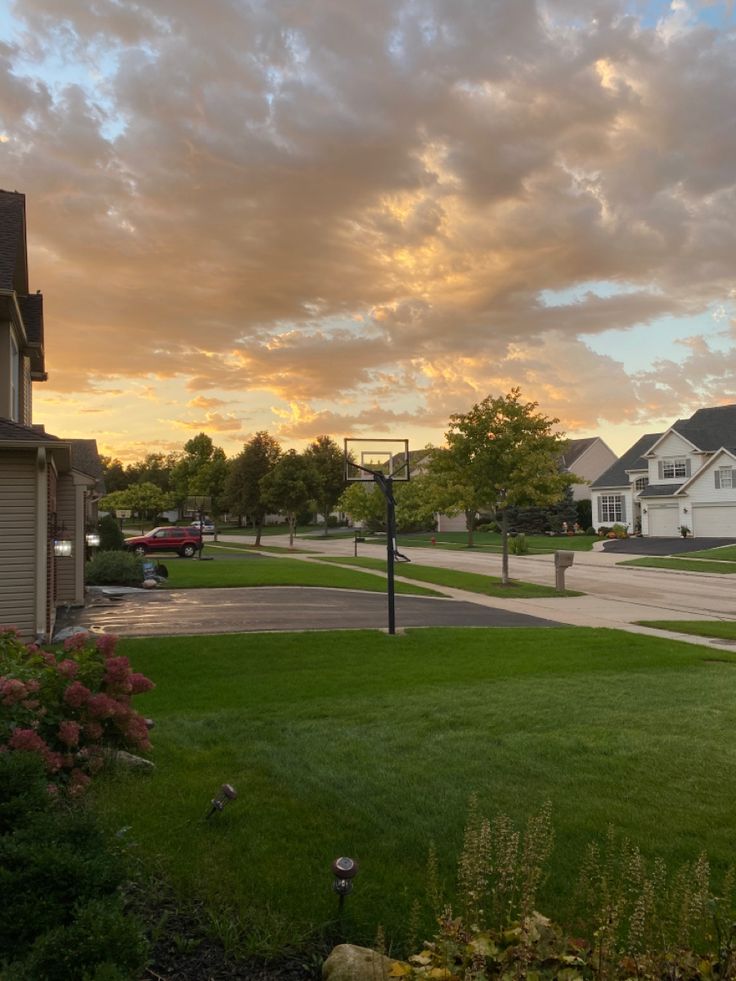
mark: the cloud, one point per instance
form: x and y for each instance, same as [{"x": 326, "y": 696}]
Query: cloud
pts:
[{"x": 302, "y": 201}]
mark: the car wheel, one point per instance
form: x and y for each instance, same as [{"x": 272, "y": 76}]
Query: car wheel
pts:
[
  {"x": 188, "y": 551},
  {"x": 140, "y": 551}
]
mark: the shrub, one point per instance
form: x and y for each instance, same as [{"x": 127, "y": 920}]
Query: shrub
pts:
[
  {"x": 591, "y": 531},
  {"x": 637, "y": 919},
  {"x": 111, "y": 537},
  {"x": 518, "y": 545},
  {"x": 68, "y": 707},
  {"x": 114, "y": 569},
  {"x": 63, "y": 917}
]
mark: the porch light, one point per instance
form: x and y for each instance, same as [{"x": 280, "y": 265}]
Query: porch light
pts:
[
  {"x": 93, "y": 539},
  {"x": 61, "y": 539}
]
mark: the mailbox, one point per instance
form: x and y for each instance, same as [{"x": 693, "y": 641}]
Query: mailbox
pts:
[{"x": 563, "y": 560}]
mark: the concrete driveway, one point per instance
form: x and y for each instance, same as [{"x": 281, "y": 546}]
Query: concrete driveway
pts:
[
  {"x": 164, "y": 612},
  {"x": 663, "y": 546}
]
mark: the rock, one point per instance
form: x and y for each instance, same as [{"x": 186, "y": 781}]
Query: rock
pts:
[
  {"x": 350, "y": 963},
  {"x": 67, "y": 632},
  {"x": 132, "y": 762},
  {"x": 150, "y": 583}
]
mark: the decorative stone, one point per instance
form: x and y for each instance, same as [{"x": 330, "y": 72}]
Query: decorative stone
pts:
[
  {"x": 132, "y": 762},
  {"x": 68, "y": 632},
  {"x": 150, "y": 583},
  {"x": 350, "y": 963}
]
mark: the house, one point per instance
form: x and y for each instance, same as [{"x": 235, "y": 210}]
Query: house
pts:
[
  {"x": 48, "y": 485},
  {"x": 684, "y": 477},
  {"x": 587, "y": 458}
]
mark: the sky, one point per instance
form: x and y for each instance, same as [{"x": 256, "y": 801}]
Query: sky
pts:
[{"x": 357, "y": 217}]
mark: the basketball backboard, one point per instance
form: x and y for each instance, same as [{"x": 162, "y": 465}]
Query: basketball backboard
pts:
[{"x": 364, "y": 458}]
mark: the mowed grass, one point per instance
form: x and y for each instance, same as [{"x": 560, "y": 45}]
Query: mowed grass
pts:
[
  {"x": 265, "y": 571},
  {"x": 489, "y": 541},
  {"x": 726, "y": 553},
  {"x": 473, "y": 582},
  {"x": 367, "y": 745},
  {"x": 725, "y": 629},
  {"x": 685, "y": 565}
]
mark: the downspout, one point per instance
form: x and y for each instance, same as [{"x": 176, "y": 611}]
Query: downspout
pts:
[{"x": 42, "y": 541}]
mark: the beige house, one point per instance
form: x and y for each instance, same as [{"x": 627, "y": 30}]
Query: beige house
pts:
[{"x": 48, "y": 486}]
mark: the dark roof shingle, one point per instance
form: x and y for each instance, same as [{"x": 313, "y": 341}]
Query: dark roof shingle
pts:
[
  {"x": 633, "y": 459},
  {"x": 13, "y": 431},
  {"x": 12, "y": 241}
]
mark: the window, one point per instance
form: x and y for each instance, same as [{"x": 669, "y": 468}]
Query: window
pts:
[
  {"x": 675, "y": 467},
  {"x": 611, "y": 508},
  {"x": 724, "y": 477},
  {"x": 640, "y": 483}
]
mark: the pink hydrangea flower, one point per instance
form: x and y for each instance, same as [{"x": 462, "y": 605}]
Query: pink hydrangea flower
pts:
[
  {"x": 76, "y": 694},
  {"x": 68, "y": 668},
  {"x": 12, "y": 691},
  {"x": 76, "y": 642},
  {"x": 69, "y": 732},
  {"x": 27, "y": 740},
  {"x": 106, "y": 644},
  {"x": 101, "y": 706},
  {"x": 117, "y": 670},
  {"x": 140, "y": 683},
  {"x": 93, "y": 731}
]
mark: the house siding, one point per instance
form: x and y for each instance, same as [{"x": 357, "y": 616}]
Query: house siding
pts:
[
  {"x": 673, "y": 445},
  {"x": 590, "y": 465},
  {"x": 18, "y": 476}
]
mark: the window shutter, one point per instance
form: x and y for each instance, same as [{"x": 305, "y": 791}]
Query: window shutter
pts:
[
  {"x": 717, "y": 475},
  {"x": 660, "y": 464},
  {"x": 600, "y": 510},
  {"x": 687, "y": 467},
  {"x": 623, "y": 509}
]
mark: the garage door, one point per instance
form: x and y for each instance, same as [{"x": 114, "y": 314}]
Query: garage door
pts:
[
  {"x": 714, "y": 522},
  {"x": 663, "y": 521}
]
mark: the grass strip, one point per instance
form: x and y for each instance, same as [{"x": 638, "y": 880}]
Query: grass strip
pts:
[
  {"x": 726, "y": 553},
  {"x": 684, "y": 565},
  {"x": 491, "y": 542},
  {"x": 277, "y": 572},
  {"x": 473, "y": 582},
  {"x": 360, "y": 744},
  {"x": 725, "y": 629}
]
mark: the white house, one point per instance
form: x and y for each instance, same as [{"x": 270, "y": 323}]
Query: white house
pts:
[{"x": 682, "y": 478}]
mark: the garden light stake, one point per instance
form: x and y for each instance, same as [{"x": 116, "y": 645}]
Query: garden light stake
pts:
[{"x": 227, "y": 793}]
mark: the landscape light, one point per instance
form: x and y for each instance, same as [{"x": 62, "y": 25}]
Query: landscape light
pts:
[
  {"x": 227, "y": 793},
  {"x": 344, "y": 870}
]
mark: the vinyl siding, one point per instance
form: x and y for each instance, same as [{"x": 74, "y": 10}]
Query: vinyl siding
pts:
[{"x": 18, "y": 476}]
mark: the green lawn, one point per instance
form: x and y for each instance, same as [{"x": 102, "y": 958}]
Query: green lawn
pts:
[
  {"x": 701, "y": 628},
  {"x": 255, "y": 570},
  {"x": 684, "y": 565},
  {"x": 367, "y": 745},
  {"x": 474, "y": 582},
  {"x": 486, "y": 541},
  {"x": 726, "y": 553}
]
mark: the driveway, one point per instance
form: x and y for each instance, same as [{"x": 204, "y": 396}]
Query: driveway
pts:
[
  {"x": 215, "y": 611},
  {"x": 664, "y": 546}
]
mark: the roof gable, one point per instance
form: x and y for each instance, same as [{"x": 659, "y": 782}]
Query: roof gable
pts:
[
  {"x": 710, "y": 464},
  {"x": 633, "y": 459}
]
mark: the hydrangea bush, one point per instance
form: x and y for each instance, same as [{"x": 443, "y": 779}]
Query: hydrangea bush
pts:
[{"x": 69, "y": 706}]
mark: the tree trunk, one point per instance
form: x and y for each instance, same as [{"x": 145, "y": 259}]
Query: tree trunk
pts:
[
  {"x": 292, "y": 524},
  {"x": 327, "y": 523},
  {"x": 504, "y": 548},
  {"x": 259, "y": 529},
  {"x": 470, "y": 525}
]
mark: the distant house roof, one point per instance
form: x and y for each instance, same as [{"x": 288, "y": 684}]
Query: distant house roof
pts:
[
  {"x": 633, "y": 459},
  {"x": 31, "y": 307},
  {"x": 575, "y": 449},
  {"x": 13, "y": 432},
  {"x": 710, "y": 429},
  {"x": 85, "y": 457}
]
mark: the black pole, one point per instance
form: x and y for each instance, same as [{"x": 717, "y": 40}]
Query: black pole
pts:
[{"x": 387, "y": 486}]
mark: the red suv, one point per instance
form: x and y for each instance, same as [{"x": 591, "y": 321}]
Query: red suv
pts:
[{"x": 185, "y": 541}]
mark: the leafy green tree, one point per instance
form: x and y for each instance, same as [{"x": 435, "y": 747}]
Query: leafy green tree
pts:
[
  {"x": 114, "y": 474},
  {"x": 290, "y": 486},
  {"x": 453, "y": 489},
  {"x": 111, "y": 537},
  {"x": 508, "y": 454},
  {"x": 144, "y": 500},
  {"x": 201, "y": 471},
  {"x": 365, "y": 504},
  {"x": 154, "y": 468},
  {"x": 329, "y": 465},
  {"x": 243, "y": 492}
]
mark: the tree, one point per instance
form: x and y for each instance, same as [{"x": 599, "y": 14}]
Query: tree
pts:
[
  {"x": 327, "y": 459},
  {"x": 290, "y": 486},
  {"x": 201, "y": 472},
  {"x": 154, "y": 468},
  {"x": 243, "y": 488},
  {"x": 144, "y": 500},
  {"x": 453, "y": 489},
  {"x": 508, "y": 454},
  {"x": 364, "y": 503},
  {"x": 113, "y": 473}
]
